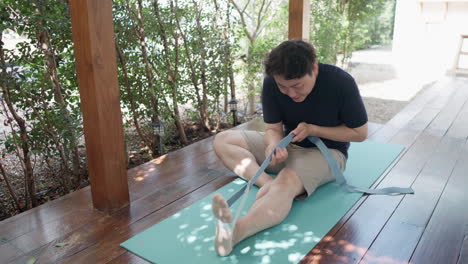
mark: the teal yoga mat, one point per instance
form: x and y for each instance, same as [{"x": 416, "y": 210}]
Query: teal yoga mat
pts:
[{"x": 187, "y": 236}]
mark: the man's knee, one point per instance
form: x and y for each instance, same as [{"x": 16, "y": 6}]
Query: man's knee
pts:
[
  {"x": 288, "y": 181},
  {"x": 288, "y": 176},
  {"x": 228, "y": 137}
]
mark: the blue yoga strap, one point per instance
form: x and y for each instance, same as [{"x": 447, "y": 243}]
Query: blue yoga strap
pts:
[{"x": 340, "y": 179}]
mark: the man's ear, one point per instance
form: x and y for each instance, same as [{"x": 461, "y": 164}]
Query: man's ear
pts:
[{"x": 315, "y": 68}]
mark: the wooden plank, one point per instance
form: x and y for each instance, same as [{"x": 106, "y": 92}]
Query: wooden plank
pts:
[
  {"x": 26, "y": 222},
  {"x": 445, "y": 119},
  {"x": 95, "y": 233},
  {"x": 70, "y": 213},
  {"x": 174, "y": 168},
  {"x": 107, "y": 248},
  {"x": 358, "y": 232},
  {"x": 409, "y": 220},
  {"x": 79, "y": 220},
  {"x": 8, "y": 252},
  {"x": 458, "y": 128},
  {"x": 442, "y": 240},
  {"x": 401, "y": 119},
  {"x": 351, "y": 237},
  {"x": 51, "y": 221},
  {"x": 410, "y": 133},
  {"x": 463, "y": 259},
  {"x": 406, "y": 136},
  {"x": 93, "y": 36},
  {"x": 373, "y": 128},
  {"x": 299, "y": 19},
  {"x": 128, "y": 258},
  {"x": 143, "y": 179},
  {"x": 55, "y": 229},
  {"x": 396, "y": 182}
]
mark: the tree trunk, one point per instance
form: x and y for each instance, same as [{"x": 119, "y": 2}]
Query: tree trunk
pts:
[
  {"x": 10, "y": 190},
  {"x": 145, "y": 139},
  {"x": 250, "y": 85},
  {"x": 48, "y": 128},
  {"x": 26, "y": 159},
  {"x": 232, "y": 84},
  {"x": 171, "y": 73},
  {"x": 149, "y": 75},
  {"x": 173, "y": 82},
  {"x": 193, "y": 75},
  {"x": 260, "y": 23},
  {"x": 204, "y": 104},
  {"x": 44, "y": 45}
]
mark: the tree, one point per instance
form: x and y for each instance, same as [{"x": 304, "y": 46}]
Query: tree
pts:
[
  {"x": 254, "y": 17},
  {"x": 7, "y": 83}
]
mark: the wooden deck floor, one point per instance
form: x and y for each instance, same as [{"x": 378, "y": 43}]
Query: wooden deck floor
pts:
[{"x": 428, "y": 227}]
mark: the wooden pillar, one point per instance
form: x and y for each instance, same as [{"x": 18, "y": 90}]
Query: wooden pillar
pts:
[
  {"x": 93, "y": 35},
  {"x": 299, "y": 19}
]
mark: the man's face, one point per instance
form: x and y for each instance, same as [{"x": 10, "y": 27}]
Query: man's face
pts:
[{"x": 297, "y": 89}]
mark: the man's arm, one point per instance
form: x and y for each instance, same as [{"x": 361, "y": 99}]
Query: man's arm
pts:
[
  {"x": 339, "y": 133},
  {"x": 273, "y": 135}
]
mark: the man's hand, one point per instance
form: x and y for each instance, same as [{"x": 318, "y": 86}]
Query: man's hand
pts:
[
  {"x": 280, "y": 155},
  {"x": 302, "y": 131}
]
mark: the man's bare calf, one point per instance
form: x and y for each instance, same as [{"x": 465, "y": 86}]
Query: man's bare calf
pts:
[{"x": 272, "y": 205}]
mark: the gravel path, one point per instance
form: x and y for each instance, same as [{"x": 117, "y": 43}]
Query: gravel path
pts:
[{"x": 383, "y": 91}]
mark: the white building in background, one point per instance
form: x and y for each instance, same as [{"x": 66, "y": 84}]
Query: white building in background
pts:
[{"x": 427, "y": 38}]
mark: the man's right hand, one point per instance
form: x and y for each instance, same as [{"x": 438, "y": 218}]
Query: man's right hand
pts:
[{"x": 279, "y": 156}]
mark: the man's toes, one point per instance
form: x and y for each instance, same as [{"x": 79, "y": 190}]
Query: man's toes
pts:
[
  {"x": 226, "y": 215},
  {"x": 221, "y": 208},
  {"x": 219, "y": 201}
]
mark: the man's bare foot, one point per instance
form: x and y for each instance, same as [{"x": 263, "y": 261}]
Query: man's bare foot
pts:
[
  {"x": 223, "y": 237},
  {"x": 221, "y": 208}
]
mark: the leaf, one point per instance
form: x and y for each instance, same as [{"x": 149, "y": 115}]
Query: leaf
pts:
[
  {"x": 61, "y": 244},
  {"x": 3, "y": 239},
  {"x": 31, "y": 260}
]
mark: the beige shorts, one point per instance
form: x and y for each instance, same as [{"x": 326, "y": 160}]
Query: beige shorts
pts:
[{"x": 308, "y": 163}]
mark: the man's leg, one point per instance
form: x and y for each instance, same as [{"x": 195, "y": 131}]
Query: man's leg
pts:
[
  {"x": 232, "y": 149},
  {"x": 271, "y": 207}
]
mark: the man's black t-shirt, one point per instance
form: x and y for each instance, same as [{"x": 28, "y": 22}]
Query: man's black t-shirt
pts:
[{"x": 334, "y": 100}]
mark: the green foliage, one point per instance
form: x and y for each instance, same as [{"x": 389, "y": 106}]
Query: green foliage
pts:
[
  {"x": 45, "y": 49},
  {"x": 203, "y": 56},
  {"x": 327, "y": 27},
  {"x": 337, "y": 27},
  {"x": 253, "y": 51},
  {"x": 208, "y": 43},
  {"x": 340, "y": 27}
]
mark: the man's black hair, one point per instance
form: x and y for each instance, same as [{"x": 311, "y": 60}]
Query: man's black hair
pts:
[{"x": 292, "y": 59}]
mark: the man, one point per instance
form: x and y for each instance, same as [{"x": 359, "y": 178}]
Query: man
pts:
[{"x": 307, "y": 98}]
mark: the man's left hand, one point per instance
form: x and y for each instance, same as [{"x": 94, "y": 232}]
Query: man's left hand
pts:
[{"x": 302, "y": 131}]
